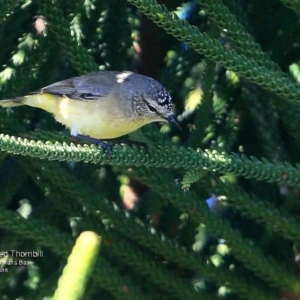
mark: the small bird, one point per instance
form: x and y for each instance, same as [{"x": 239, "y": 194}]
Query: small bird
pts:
[{"x": 102, "y": 105}]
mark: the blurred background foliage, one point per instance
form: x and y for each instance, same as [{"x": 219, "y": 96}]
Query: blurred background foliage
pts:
[{"x": 229, "y": 229}]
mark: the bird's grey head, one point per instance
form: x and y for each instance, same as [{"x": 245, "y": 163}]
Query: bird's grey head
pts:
[{"x": 151, "y": 101}]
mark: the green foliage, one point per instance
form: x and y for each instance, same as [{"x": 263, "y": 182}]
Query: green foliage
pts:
[{"x": 210, "y": 212}]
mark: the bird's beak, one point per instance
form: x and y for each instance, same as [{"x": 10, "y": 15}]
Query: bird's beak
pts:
[{"x": 172, "y": 120}]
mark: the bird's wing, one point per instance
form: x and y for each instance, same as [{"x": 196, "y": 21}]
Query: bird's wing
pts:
[{"x": 85, "y": 87}]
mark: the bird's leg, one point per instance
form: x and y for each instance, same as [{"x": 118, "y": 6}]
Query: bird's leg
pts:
[
  {"x": 106, "y": 145},
  {"x": 109, "y": 146}
]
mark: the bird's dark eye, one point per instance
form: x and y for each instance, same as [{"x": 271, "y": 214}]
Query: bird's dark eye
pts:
[{"x": 152, "y": 109}]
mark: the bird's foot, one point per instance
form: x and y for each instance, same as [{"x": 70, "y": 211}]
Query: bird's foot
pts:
[
  {"x": 100, "y": 144},
  {"x": 109, "y": 146}
]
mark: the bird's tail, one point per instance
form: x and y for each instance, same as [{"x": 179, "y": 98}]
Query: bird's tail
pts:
[{"x": 12, "y": 102}]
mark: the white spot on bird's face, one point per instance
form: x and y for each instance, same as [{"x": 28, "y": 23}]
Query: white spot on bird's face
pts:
[{"x": 164, "y": 99}]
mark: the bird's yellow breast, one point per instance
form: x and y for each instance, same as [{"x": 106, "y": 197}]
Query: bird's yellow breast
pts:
[{"x": 98, "y": 118}]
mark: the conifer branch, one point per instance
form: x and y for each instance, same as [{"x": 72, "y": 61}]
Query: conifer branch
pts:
[
  {"x": 204, "y": 110},
  {"x": 262, "y": 212},
  {"x": 59, "y": 26},
  {"x": 293, "y": 4},
  {"x": 60, "y": 185},
  {"x": 222, "y": 18},
  {"x": 166, "y": 157},
  {"x": 244, "y": 250},
  {"x": 201, "y": 43}
]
